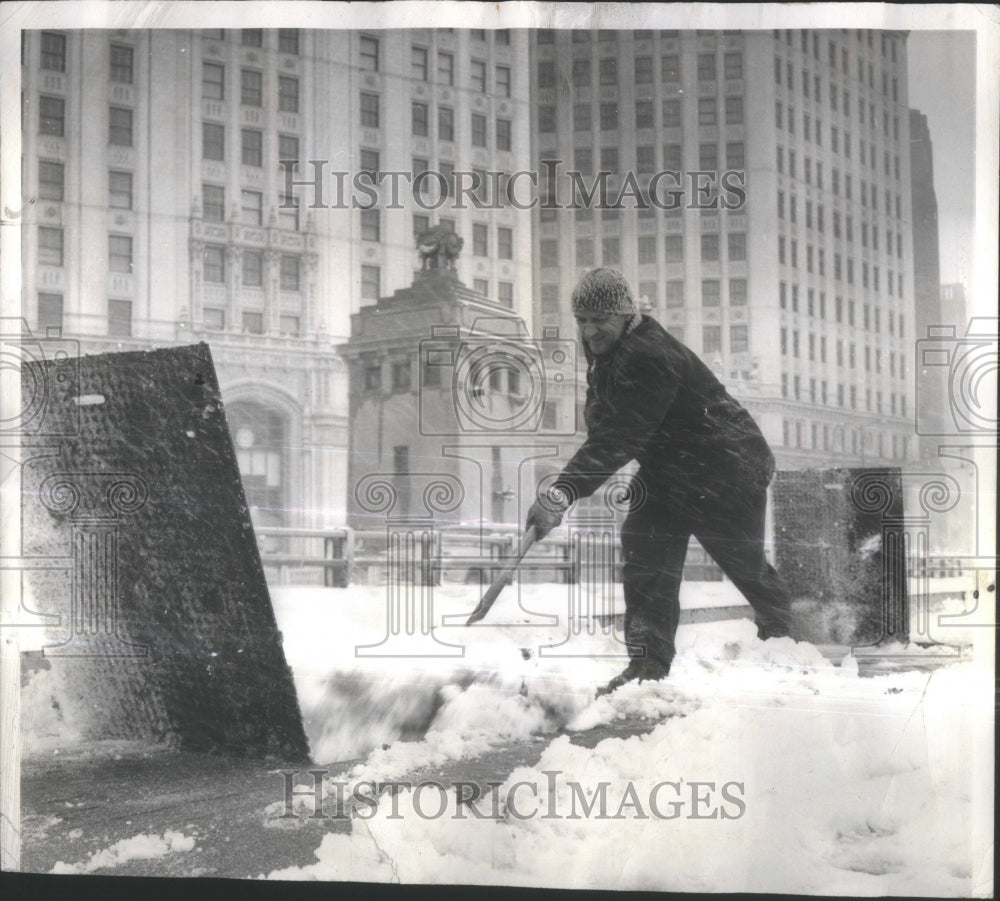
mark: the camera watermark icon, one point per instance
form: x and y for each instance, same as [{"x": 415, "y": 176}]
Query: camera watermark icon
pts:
[
  {"x": 592, "y": 621},
  {"x": 956, "y": 379},
  {"x": 496, "y": 380},
  {"x": 412, "y": 549},
  {"x": 95, "y": 505},
  {"x": 48, "y": 370}
]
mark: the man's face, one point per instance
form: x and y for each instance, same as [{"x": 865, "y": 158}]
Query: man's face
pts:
[{"x": 599, "y": 332}]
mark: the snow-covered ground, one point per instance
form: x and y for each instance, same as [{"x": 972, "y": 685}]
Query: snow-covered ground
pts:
[{"x": 768, "y": 769}]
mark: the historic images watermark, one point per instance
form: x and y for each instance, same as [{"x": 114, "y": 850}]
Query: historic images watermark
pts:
[
  {"x": 554, "y": 798},
  {"x": 551, "y": 187}
]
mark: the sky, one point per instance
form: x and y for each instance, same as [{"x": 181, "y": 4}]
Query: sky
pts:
[{"x": 942, "y": 85}]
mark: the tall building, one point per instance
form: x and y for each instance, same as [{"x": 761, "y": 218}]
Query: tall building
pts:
[
  {"x": 926, "y": 272},
  {"x": 756, "y": 192},
  {"x": 164, "y": 213}
]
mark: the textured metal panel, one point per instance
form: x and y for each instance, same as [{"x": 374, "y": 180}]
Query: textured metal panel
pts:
[
  {"x": 166, "y": 629},
  {"x": 836, "y": 544}
]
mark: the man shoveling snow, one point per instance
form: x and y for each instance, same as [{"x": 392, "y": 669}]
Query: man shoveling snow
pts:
[{"x": 704, "y": 468}]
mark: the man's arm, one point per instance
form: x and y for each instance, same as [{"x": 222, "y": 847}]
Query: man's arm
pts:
[{"x": 644, "y": 386}]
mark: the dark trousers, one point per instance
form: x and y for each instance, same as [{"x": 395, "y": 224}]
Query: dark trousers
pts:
[{"x": 729, "y": 524}]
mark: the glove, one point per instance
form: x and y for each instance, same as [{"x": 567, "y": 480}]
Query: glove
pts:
[{"x": 547, "y": 513}]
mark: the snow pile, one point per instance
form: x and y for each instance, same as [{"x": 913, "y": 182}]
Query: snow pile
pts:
[
  {"x": 138, "y": 847},
  {"x": 768, "y": 768}
]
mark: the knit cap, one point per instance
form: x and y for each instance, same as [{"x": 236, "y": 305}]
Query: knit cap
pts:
[{"x": 604, "y": 292}]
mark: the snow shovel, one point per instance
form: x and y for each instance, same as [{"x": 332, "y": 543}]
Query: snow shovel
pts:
[{"x": 493, "y": 592}]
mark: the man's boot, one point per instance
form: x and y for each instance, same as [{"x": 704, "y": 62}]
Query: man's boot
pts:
[{"x": 639, "y": 669}]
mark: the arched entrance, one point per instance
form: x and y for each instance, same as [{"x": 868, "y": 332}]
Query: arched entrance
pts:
[{"x": 260, "y": 436}]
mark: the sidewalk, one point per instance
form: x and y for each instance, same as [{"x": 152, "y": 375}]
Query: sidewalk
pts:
[{"x": 77, "y": 805}]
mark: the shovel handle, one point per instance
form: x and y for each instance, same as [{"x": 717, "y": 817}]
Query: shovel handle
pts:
[{"x": 493, "y": 592}]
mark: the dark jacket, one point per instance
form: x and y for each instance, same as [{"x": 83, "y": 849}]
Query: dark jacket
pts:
[{"x": 653, "y": 400}]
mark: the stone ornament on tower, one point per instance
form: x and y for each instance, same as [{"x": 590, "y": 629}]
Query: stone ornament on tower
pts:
[{"x": 439, "y": 247}]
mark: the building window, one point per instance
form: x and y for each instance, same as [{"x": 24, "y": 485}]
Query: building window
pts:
[
  {"x": 213, "y": 141},
  {"x": 252, "y": 209},
  {"x": 672, "y": 113},
  {"x": 711, "y": 339},
  {"x": 421, "y": 223},
  {"x": 371, "y": 225},
  {"x": 369, "y": 110},
  {"x": 446, "y": 122},
  {"x": 581, "y": 117},
  {"x": 253, "y": 323},
  {"x": 214, "y": 319},
  {"x": 674, "y": 248},
  {"x": 120, "y": 126},
  {"x": 290, "y": 272},
  {"x": 251, "y": 87},
  {"x": 213, "y": 81},
  {"x": 373, "y": 376},
  {"x": 214, "y": 264},
  {"x": 288, "y": 148},
  {"x": 739, "y": 339},
  {"x": 708, "y": 157},
  {"x": 734, "y": 110},
  {"x": 710, "y": 247},
  {"x": 646, "y": 249},
  {"x": 418, "y": 63},
  {"x": 119, "y": 253},
  {"x": 706, "y": 111},
  {"x": 120, "y": 190},
  {"x": 288, "y": 40},
  {"x": 371, "y": 282},
  {"x": 477, "y": 75},
  {"x": 478, "y": 130},
  {"x": 733, "y": 66},
  {"x": 735, "y": 155},
  {"x": 400, "y": 382},
  {"x": 549, "y": 253},
  {"x": 446, "y": 69},
  {"x": 737, "y": 246},
  {"x": 502, "y": 81},
  {"x": 50, "y": 180},
  {"x": 644, "y": 114},
  {"x": 251, "y": 147},
  {"x": 252, "y": 37},
  {"x": 418, "y": 119},
  {"x": 737, "y": 292},
  {"x": 121, "y": 63},
  {"x": 51, "y": 116},
  {"x": 581, "y": 72},
  {"x": 369, "y": 53},
  {"x": 710, "y": 294},
  {"x": 706, "y": 67},
  {"x": 288, "y": 94},
  {"x": 253, "y": 268},
  {"x": 50, "y": 246},
  {"x": 609, "y": 116},
  {"x": 120, "y": 318},
  {"x": 611, "y": 251},
  {"x": 670, "y": 68},
  {"x": 503, "y": 134},
  {"x": 609, "y": 70},
  {"x": 50, "y": 312},
  {"x": 505, "y": 294},
  {"x": 213, "y": 203},
  {"x": 53, "y": 52},
  {"x": 505, "y": 243},
  {"x": 480, "y": 240}
]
